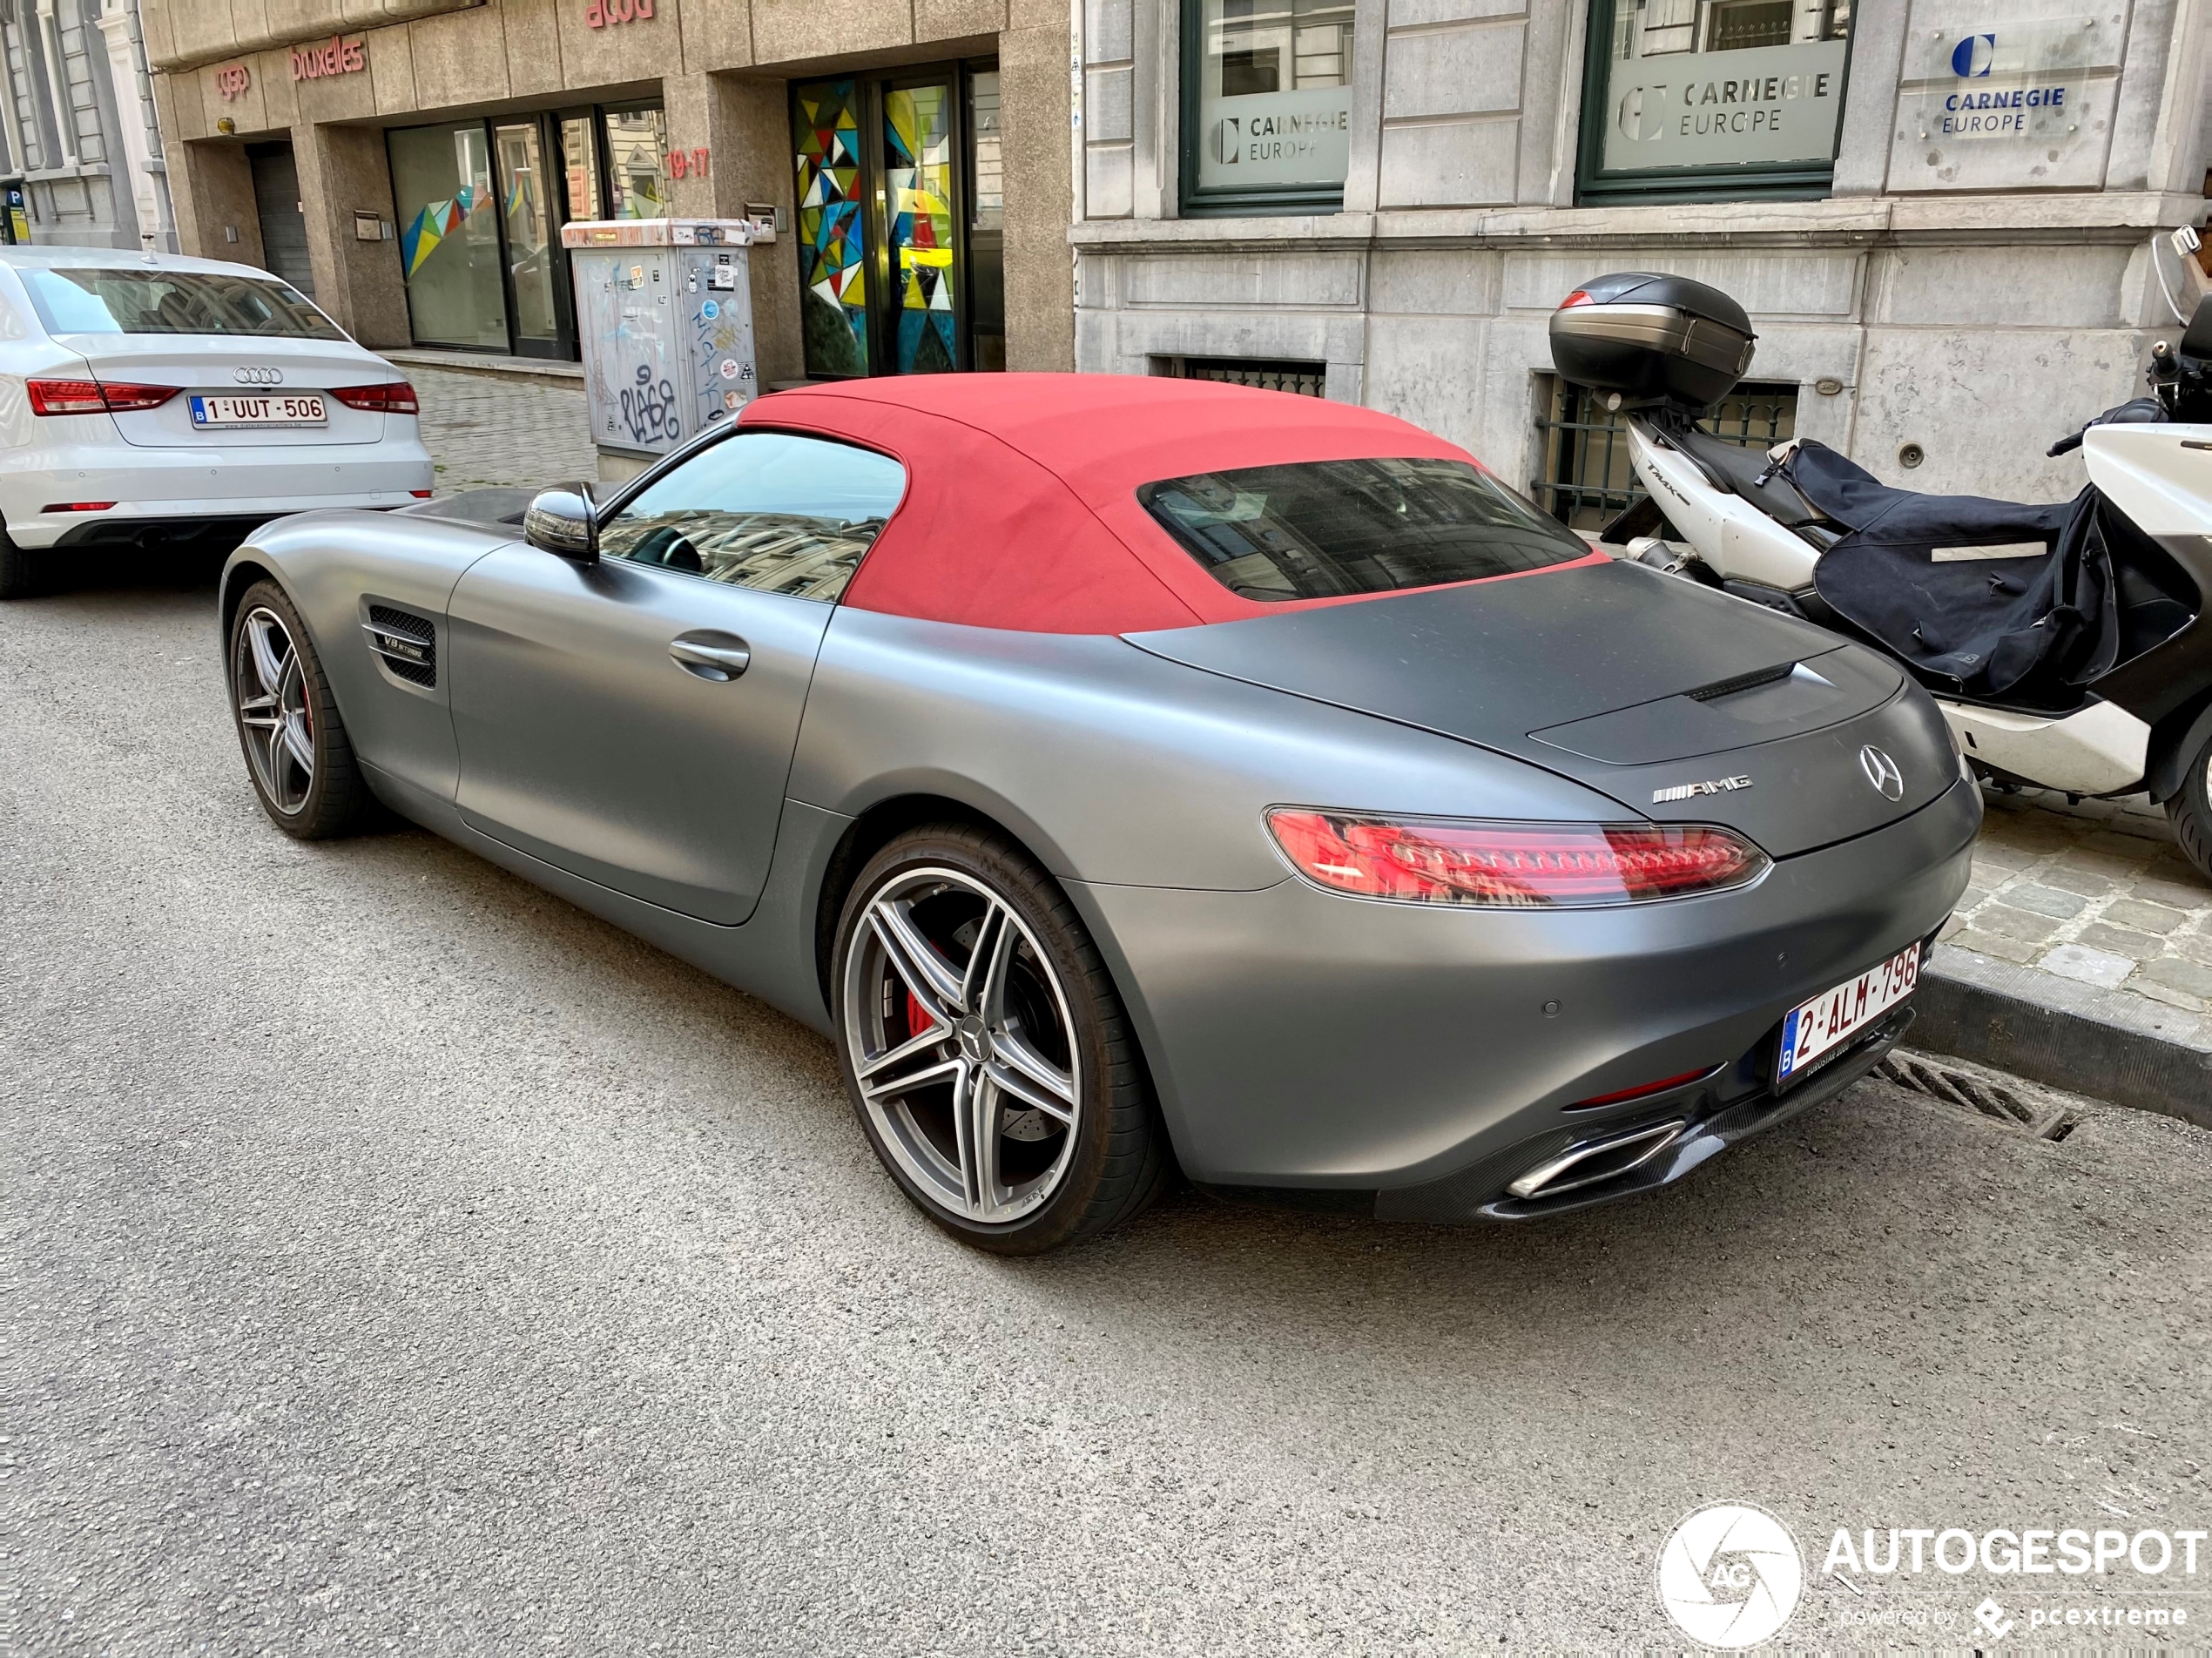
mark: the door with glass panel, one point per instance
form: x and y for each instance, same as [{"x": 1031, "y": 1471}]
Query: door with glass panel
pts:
[
  {"x": 919, "y": 271},
  {"x": 899, "y": 201},
  {"x": 536, "y": 284},
  {"x": 449, "y": 235}
]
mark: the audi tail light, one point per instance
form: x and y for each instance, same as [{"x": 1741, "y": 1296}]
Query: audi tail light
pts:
[
  {"x": 397, "y": 398},
  {"x": 1512, "y": 866},
  {"x": 93, "y": 396},
  {"x": 1576, "y": 298}
]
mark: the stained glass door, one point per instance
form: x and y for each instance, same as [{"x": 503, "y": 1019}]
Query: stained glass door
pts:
[
  {"x": 832, "y": 233},
  {"x": 919, "y": 169}
]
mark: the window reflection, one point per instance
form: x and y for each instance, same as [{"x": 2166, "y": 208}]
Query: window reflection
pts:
[
  {"x": 636, "y": 161},
  {"x": 765, "y": 510}
]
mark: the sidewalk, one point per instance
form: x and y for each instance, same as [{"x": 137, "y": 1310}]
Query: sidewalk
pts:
[
  {"x": 2081, "y": 956},
  {"x": 2097, "y": 894},
  {"x": 484, "y": 429}
]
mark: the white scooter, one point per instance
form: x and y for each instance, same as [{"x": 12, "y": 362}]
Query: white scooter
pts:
[{"x": 2122, "y": 704}]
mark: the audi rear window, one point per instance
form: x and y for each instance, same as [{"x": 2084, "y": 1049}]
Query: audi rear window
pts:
[
  {"x": 126, "y": 301},
  {"x": 1321, "y": 529}
]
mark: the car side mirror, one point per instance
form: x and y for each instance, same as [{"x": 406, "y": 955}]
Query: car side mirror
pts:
[{"x": 560, "y": 522}]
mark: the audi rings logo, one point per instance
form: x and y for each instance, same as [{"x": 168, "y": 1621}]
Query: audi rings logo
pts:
[
  {"x": 1730, "y": 1575},
  {"x": 1882, "y": 772},
  {"x": 258, "y": 376}
]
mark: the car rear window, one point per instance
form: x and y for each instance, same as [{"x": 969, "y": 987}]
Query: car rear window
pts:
[
  {"x": 126, "y": 301},
  {"x": 1326, "y": 529}
]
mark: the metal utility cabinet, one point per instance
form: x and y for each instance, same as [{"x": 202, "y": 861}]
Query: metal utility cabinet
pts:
[{"x": 664, "y": 311}]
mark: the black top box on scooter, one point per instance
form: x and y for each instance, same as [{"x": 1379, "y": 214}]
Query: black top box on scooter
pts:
[{"x": 1648, "y": 339}]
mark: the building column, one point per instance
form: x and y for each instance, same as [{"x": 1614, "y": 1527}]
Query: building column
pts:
[
  {"x": 1040, "y": 189},
  {"x": 216, "y": 199},
  {"x": 344, "y": 170},
  {"x": 744, "y": 127}
]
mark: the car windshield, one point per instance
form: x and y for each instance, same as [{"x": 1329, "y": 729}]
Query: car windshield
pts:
[
  {"x": 1327, "y": 528},
  {"x": 128, "y": 301}
]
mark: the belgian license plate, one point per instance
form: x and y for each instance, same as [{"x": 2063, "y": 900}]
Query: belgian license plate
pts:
[
  {"x": 1835, "y": 1016},
  {"x": 294, "y": 409}
]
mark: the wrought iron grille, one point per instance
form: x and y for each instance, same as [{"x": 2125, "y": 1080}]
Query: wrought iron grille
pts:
[
  {"x": 1584, "y": 475},
  {"x": 1307, "y": 379}
]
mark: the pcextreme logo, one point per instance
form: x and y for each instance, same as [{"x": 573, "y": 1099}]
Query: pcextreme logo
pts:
[{"x": 1730, "y": 1575}]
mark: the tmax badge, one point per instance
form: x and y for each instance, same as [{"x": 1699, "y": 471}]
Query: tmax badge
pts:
[{"x": 1690, "y": 791}]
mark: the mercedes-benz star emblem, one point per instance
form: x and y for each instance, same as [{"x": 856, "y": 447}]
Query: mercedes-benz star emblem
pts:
[
  {"x": 258, "y": 376},
  {"x": 1881, "y": 771}
]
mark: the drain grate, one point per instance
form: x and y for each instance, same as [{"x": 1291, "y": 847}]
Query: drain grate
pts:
[{"x": 2022, "y": 1105}]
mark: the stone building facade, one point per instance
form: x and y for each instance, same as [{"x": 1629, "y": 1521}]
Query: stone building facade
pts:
[
  {"x": 1943, "y": 215},
  {"x": 80, "y": 148},
  {"x": 410, "y": 162}
]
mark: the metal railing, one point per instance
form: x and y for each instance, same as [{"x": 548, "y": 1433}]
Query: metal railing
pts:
[{"x": 1585, "y": 480}]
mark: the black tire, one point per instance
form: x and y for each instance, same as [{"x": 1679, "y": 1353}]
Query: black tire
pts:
[
  {"x": 2190, "y": 810},
  {"x": 22, "y": 573},
  {"x": 308, "y": 803},
  {"x": 1113, "y": 1162}
]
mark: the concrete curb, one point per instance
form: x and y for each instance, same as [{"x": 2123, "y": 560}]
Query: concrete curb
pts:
[
  {"x": 2103, "y": 1044},
  {"x": 491, "y": 368}
]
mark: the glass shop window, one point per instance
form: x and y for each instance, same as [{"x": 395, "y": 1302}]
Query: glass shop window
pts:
[
  {"x": 1713, "y": 100},
  {"x": 636, "y": 163},
  {"x": 1267, "y": 105}
]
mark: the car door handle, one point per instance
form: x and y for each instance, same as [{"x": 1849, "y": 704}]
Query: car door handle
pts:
[{"x": 711, "y": 656}]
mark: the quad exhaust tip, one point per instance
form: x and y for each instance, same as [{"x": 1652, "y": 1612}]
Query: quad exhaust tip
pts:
[{"x": 1590, "y": 1162}]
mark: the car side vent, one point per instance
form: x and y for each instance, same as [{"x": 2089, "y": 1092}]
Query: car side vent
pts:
[{"x": 408, "y": 644}]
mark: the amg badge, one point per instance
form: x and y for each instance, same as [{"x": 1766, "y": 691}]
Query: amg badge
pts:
[{"x": 1690, "y": 791}]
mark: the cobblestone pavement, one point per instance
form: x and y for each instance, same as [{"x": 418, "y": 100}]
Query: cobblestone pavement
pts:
[
  {"x": 2098, "y": 893},
  {"x": 484, "y": 430}
]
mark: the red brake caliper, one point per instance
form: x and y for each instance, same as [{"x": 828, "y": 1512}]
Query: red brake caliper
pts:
[{"x": 917, "y": 1015}]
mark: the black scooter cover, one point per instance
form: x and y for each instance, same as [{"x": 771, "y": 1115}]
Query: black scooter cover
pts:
[{"x": 1992, "y": 627}]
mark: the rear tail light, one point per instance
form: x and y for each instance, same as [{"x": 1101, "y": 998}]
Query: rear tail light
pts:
[
  {"x": 120, "y": 398},
  {"x": 419, "y": 495},
  {"x": 77, "y": 506},
  {"x": 397, "y": 398},
  {"x": 1511, "y": 865},
  {"x": 1576, "y": 298},
  {"x": 93, "y": 396}
]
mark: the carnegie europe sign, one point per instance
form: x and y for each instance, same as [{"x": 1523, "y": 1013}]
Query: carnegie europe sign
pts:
[
  {"x": 2007, "y": 81},
  {"x": 1768, "y": 103}
]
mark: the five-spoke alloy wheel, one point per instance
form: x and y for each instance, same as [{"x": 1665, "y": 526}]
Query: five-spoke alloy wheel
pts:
[
  {"x": 274, "y": 713},
  {"x": 985, "y": 1050},
  {"x": 296, "y": 750}
]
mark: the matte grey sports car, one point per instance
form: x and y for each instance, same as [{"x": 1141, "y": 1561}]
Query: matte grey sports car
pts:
[{"x": 1139, "y": 774}]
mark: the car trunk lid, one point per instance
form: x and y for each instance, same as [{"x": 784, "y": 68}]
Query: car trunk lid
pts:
[
  {"x": 1682, "y": 705},
  {"x": 210, "y": 366}
]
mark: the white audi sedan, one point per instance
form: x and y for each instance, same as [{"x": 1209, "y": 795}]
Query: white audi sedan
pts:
[{"x": 151, "y": 401}]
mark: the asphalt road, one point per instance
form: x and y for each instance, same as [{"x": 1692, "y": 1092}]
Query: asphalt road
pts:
[{"x": 399, "y": 1259}]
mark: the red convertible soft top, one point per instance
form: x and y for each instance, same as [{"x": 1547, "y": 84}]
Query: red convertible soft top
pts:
[{"x": 1021, "y": 509}]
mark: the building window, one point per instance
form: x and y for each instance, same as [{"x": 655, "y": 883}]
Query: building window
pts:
[
  {"x": 1266, "y": 105},
  {"x": 1713, "y": 100},
  {"x": 1268, "y": 373},
  {"x": 636, "y": 144},
  {"x": 1583, "y": 477}
]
